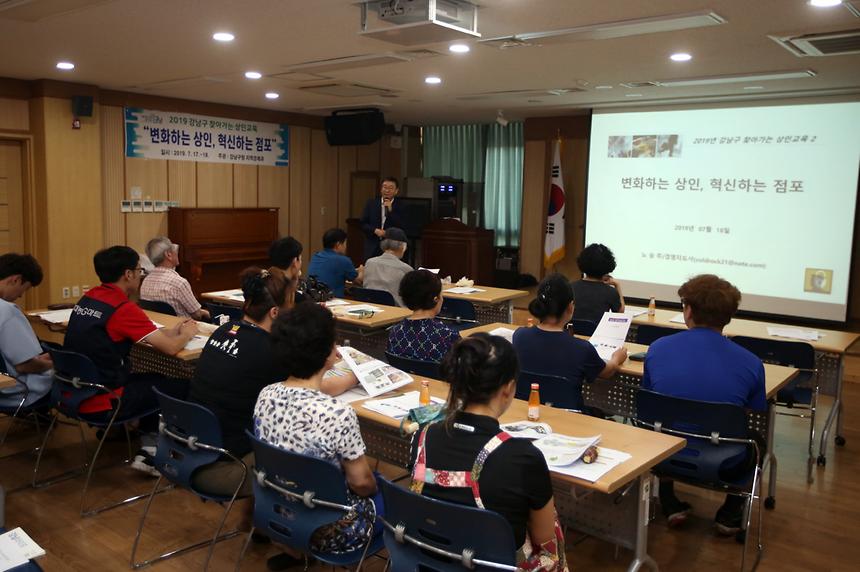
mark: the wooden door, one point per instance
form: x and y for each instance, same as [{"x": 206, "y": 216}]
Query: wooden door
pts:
[
  {"x": 11, "y": 197},
  {"x": 363, "y": 186}
]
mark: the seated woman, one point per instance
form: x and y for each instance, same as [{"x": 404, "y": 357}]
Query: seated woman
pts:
[
  {"x": 513, "y": 476},
  {"x": 597, "y": 292},
  {"x": 548, "y": 349},
  {"x": 702, "y": 364},
  {"x": 298, "y": 416},
  {"x": 421, "y": 336},
  {"x": 237, "y": 362}
]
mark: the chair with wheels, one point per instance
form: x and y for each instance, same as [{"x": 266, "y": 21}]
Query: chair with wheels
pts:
[
  {"x": 802, "y": 392},
  {"x": 431, "y": 535},
  {"x": 555, "y": 391},
  {"x": 647, "y": 334},
  {"x": 77, "y": 379},
  {"x": 189, "y": 437},
  {"x": 459, "y": 314},
  {"x": 414, "y": 366},
  {"x": 157, "y": 306},
  {"x": 217, "y": 310},
  {"x": 582, "y": 327},
  {"x": 372, "y": 296},
  {"x": 296, "y": 494},
  {"x": 717, "y": 437}
]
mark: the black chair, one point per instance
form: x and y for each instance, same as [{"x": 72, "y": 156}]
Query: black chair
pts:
[
  {"x": 460, "y": 313},
  {"x": 717, "y": 437},
  {"x": 802, "y": 392},
  {"x": 216, "y": 310},
  {"x": 77, "y": 379},
  {"x": 555, "y": 391},
  {"x": 189, "y": 437},
  {"x": 647, "y": 334},
  {"x": 372, "y": 296},
  {"x": 582, "y": 327},
  {"x": 431, "y": 535},
  {"x": 157, "y": 306},
  {"x": 296, "y": 494},
  {"x": 414, "y": 366}
]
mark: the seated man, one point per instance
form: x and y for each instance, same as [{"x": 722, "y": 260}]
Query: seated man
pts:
[
  {"x": 702, "y": 364},
  {"x": 23, "y": 357},
  {"x": 332, "y": 266},
  {"x": 164, "y": 284},
  {"x": 384, "y": 272},
  {"x": 286, "y": 253},
  {"x": 104, "y": 326}
]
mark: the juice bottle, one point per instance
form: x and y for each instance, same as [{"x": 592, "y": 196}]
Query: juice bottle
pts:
[
  {"x": 534, "y": 403},
  {"x": 424, "y": 396},
  {"x": 652, "y": 307}
]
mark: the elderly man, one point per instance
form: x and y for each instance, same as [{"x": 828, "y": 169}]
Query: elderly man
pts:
[
  {"x": 164, "y": 284},
  {"x": 384, "y": 272}
]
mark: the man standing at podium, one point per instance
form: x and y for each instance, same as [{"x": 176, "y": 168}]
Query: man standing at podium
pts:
[{"x": 380, "y": 213}]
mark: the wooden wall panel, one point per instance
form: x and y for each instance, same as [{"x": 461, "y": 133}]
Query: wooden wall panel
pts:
[
  {"x": 14, "y": 114},
  {"x": 368, "y": 157},
  {"x": 346, "y": 163},
  {"x": 70, "y": 166},
  {"x": 300, "y": 186},
  {"x": 182, "y": 183},
  {"x": 150, "y": 175},
  {"x": 324, "y": 187},
  {"x": 389, "y": 158},
  {"x": 245, "y": 185},
  {"x": 534, "y": 208},
  {"x": 214, "y": 184},
  {"x": 113, "y": 174},
  {"x": 274, "y": 191}
]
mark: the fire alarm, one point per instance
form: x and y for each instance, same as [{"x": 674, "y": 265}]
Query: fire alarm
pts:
[{"x": 76, "y": 123}]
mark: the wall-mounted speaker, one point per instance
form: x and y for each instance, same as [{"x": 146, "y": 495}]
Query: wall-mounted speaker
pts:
[
  {"x": 82, "y": 106},
  {"x": 354, "y": 126}
]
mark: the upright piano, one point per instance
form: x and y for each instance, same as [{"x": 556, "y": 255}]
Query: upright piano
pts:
[{"x": 218, "y": 243}]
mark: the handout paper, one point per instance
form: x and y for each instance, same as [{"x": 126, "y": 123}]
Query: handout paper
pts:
[
  {"x": 506, "y": 333},
  {"x": 635, "y": 311},
  {"x": 794, "y": 333},
  {"x": 610, "y": 333},
  {"x": 463, "y": 290},
  {"x": 397, "y": 407},
  {"x": 375, "y": 376},
  {"x": 55, "y": 316}
]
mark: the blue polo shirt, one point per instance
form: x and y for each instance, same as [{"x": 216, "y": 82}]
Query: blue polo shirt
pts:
[
  {"x": 332, "y": 269},
  {"x": 704, "y": 365}
]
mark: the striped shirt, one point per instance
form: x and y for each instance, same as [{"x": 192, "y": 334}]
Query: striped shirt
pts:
[{"x": 166, "y": 285}]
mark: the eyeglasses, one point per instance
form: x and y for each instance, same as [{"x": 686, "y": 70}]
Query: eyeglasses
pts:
[{"x": 141, "y": 270}]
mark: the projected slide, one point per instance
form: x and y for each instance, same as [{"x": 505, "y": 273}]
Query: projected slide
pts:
[{"x": 763, "y": 196}]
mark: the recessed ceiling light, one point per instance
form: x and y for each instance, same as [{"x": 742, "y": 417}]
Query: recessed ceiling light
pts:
[
  {"x": 825, "y": 3},
  {"x": 602, "y": 87},
  {"x": 432, "y": 80},
  {"x": 253, "y": 75},
  {"x": 681, "y": 57},
  {"x": 753, "y": 87},
  {"x": 459, "y": 48},
  {"x": 65, "y": 66},
  {"x": 632, "y": 95},
  {"x": 223, "y": 37},
  {"x": 272, "y": 95}
]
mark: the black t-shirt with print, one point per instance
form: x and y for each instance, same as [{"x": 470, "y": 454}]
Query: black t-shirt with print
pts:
[
  {"x": 591, "y": 299},
  {"x": 515, "y": 478},
  {"x": 237, "y": 362}
]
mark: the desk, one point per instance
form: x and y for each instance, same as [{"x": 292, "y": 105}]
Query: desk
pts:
[
  {"x": 831, "y": 348},
  {"x": 368, "y": 335},
  {"x": 6, "y": 381},
  {"x": 614, "y": 508},
  {"x": 617, "y": 396},
  {"x": 492, "y": 305},
  {"x": 143, "y": 356}
]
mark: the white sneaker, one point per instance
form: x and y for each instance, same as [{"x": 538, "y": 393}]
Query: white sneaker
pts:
[{"x": 143, "y": 462}]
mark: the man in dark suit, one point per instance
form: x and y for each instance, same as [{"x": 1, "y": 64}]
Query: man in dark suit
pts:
[{"x": 379, "y": 214}]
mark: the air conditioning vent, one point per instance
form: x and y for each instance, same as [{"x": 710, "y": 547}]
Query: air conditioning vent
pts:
[
  {"x": 521, "y": 93},
  {"x": 347, "y": 90},
  {"x": 639, "y": 84},
  {"x": 37, "y": 10},
  {"x": 817, "y": 45}
]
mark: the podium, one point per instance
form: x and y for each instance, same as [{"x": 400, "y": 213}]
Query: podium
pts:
[
  {"x": 218, "y": 243},
  {"x": 459, "y": 250}
]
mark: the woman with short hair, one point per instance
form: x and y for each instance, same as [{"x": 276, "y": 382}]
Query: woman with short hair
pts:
[{"x": 597, "y": 291}]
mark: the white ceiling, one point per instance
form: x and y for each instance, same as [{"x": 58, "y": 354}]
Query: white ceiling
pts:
[{"x": 164, "y": 47}]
